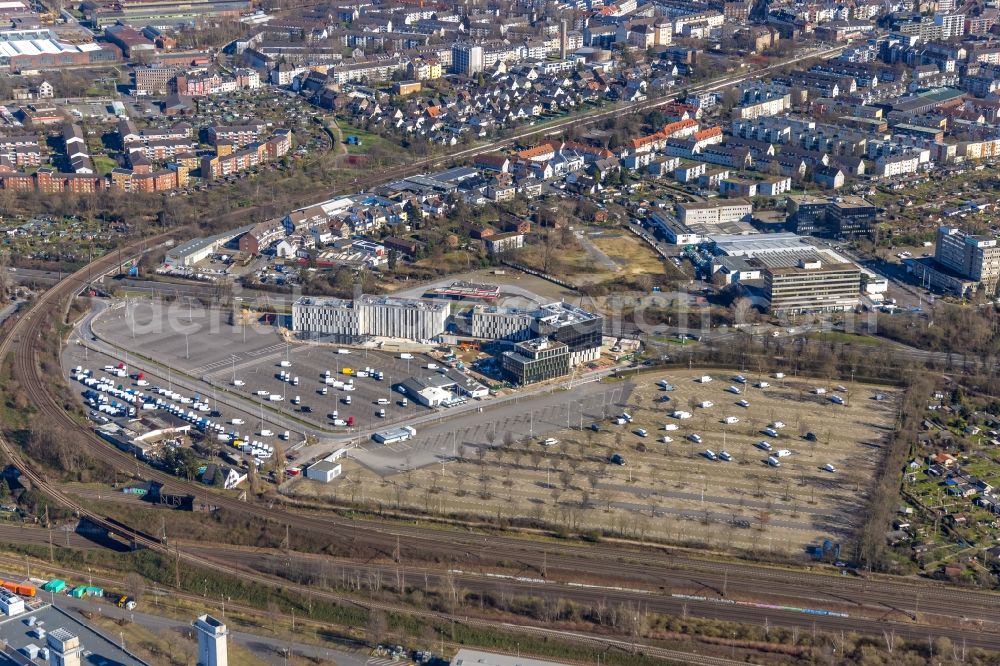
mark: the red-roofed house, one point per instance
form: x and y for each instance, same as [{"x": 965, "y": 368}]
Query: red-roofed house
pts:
[{"x": 707, "y": 137}]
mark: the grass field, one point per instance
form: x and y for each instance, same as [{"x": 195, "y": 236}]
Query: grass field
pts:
[
  {"x": 634, "y": 256},
  {"x": 670, "y": 491},
  {"x": 104, "y": 164}
]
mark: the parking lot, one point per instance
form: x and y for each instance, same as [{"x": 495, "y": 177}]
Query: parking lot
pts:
[
  {"x": 667, "y": 489},
  {"x": 233, "y": 420},
  {"x": 318, "y": 401},
  {"x": 202, "y": 344}
]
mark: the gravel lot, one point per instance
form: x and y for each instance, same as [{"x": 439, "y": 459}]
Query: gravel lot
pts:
[{"x": 669, "y": 490}]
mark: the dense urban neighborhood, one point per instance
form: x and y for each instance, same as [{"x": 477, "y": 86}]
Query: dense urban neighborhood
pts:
[{"x": 499, "y": 333}]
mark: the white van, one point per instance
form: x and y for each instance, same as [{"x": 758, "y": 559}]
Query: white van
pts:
[
  {"x": 266, "y": 433},
  {"x": 695, "y": 438},
  {"x": 551, "y": 441},
  {"x": 383, "y": 401},
  {"x": 783, "y": 453},
  {"x": 770, "y": 432},
  {"x": 730, "y": 420},
  {"x": 773, "y": 462},
  {"x": 710, "y": 454},
  {"x": 343, "y": 351},
  {"x": 724, "y": 455}
]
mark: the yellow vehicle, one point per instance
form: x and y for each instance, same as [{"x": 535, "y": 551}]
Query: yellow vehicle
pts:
[{"x": 347, "y": 371}]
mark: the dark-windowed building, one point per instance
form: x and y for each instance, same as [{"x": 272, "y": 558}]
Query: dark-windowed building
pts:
[
  {"x": 578, "y": 329},
  {"x": 536, "y": 360}
]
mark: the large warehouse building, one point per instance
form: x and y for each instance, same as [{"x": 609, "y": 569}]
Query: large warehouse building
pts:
[{"x": 347, "y": 321}]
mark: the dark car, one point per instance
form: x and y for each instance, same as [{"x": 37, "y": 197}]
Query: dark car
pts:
[
  {"x": 810, "y": 437},
  {"x": 306, "y": 408},
  {"x": 595, "y": 427},
  {"x": 617, "y": 459}
]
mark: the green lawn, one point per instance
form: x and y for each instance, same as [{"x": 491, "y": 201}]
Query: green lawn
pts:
[
  {"x": 104, "y": 164},
  {"x": 368, "y": 140}
]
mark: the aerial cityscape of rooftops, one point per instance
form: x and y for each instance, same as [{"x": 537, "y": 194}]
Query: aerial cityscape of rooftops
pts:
[{"x": 507, "y": 333}]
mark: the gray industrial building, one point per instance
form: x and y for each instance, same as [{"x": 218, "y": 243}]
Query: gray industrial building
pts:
[
  {"x": 536, "y": 360},
  {"x": 340, "y": 320}
]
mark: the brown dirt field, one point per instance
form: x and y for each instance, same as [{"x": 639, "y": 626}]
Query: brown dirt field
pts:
[{"x": 671, "y": 491}]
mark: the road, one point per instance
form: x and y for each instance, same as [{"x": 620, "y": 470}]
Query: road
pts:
[
  {"x": 596, "y": 252},
  {"x": 377, "y": 540}
]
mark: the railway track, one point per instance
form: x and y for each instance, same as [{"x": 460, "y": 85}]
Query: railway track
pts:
[
  {"x": 379, "y": 540},
  {"x": 19, "y": 338}
]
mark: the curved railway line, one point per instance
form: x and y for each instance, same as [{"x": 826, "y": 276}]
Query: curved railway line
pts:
[{"x": 654, "y": 567}]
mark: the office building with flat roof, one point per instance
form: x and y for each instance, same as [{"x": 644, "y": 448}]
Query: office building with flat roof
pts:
[
  {"x": 341, "y": 320},
  {"x": 814, "y": 283},
  {"x": 497, "y": 323},
  {"x": 535, "y": 360},
  {"x": 850, "y": 217},
  {"x": 971, "y": 256},
  {"x": 580, "y": 330},
  {"x": 723, "y": 211}
]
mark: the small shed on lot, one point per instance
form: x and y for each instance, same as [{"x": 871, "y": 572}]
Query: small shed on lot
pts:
[{"x": 324, "y": 470}]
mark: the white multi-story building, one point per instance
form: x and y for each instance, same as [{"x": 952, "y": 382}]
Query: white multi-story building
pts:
[
  {"x": 496, "y": 323},
  {"x": 714, "y": 212},
  {"x": 369, "y": 316},
  {"x": 900, "y": 164},
  {"x": 952, "y": 25},
  {"x": 973, "y": 257}
]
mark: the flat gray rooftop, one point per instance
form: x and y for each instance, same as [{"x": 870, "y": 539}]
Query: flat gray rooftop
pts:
[
  {"x": 732, "y": 244},
  {"x": 97, "y": 648}
]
